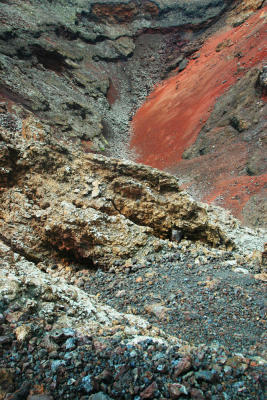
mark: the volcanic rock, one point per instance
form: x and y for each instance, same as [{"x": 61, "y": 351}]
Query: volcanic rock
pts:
[{"x": 107, "y": 265}]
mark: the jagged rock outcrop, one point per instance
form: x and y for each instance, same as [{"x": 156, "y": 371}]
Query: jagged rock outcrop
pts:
[
  {"x": 95, "y": 209},
  {"x": 84, "y": 67},
  {"x": 33, "y": 291}
]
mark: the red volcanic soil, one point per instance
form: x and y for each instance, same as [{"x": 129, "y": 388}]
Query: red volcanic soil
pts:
[
  {"x": 237, "y": 191},
  {"x": 172, "y": 116},
  {"x": 175, "y": 112}
]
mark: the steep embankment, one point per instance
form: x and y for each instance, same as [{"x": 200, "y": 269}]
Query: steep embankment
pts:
[
  {"x": 206, "y": 124},
  {"x": 84, "y": 67},
  {"x": 78, "y": 229}
]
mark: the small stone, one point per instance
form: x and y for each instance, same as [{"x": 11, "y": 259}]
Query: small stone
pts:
[
  {"x": 70, "y": 344},
  {"x": 161, "y": 368},
  {"x": 183, "y": 65},
  {"x": 61, "y": 334},
  {"x": 207, "y": 376},
  {"x": 241, "y": 271},
  {"x": 177, "y": 235},
  {"x": 87, "y": 383},
  {"x": 22, "y": 332},
  {"x": 56, "y": 364},
  {"x": 227, "y": 370},
  {"x": 158, "y": 310},
  {"x": 105, "y": 376},
  {"x": 183, "y": 366},
  {"x": 120, "y": 293},
  {"x": 176, "y": 390},
  {"x": 149, "y": 392},
  {"x": 197, "y": 394},
  {"x": 71, "y": 381}
]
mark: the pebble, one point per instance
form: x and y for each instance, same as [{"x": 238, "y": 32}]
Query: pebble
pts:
[
  {"x": 55, "y": 364},
  {"x": 176, "y": 390},
  {"x": 87, "y": 383},
  {"x": 149, "y": 392},
  {"x": 40, "y": 397},
  {"x": 183, "y": 366},
  {"x": 241, "y": 271},
  {"x": 99, "y": 396}
]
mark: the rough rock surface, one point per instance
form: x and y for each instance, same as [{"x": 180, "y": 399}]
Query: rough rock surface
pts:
[
  {"x": 84, "y": 67},
  {"x": 70, "y": 62},
  {"x": 111, "y": 275},
  {"x": 95, "y": 208}
]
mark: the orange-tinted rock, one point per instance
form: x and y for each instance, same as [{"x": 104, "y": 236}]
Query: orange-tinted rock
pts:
[
  {"x": 123, "y": 12},
  {"x": 87, "y": 146},
  {"x": 183, "y": 366},
  {"x": 149, "y": 392}
]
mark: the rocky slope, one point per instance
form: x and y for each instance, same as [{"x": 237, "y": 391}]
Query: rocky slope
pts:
[
  {"x": 70, "y": 63},
  {"x": 84, "y": 67},
  {"x": 207, "y": 123},
  {"x": 111, "y": 274},
  {"x": 65, "y": 214}
]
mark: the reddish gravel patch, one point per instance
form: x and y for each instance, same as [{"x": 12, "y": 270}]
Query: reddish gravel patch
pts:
[
  {"x": 172, "y": 116},
  {"x": 236, "y": 192}
]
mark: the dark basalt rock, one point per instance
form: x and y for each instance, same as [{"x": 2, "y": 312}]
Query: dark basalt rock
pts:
[{"x": 53, "y": 54}]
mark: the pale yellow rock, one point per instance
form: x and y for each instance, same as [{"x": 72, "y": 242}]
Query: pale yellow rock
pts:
[
  {"x": 261, "y": 277},
  {"x": 158, "y": 310},
  {"x": 22, "y": 332}
]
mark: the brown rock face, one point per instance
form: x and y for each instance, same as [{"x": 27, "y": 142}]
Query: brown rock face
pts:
[
  {"x": 115, "y": 14},
  {"x": 93, "y": 208},
  {"x": 122, "y": 13}
]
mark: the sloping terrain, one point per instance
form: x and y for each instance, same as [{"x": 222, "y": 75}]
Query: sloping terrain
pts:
[
  {"x": 114, "y": 282},
  {"x": 207, "y": 123},
  {"x": 85, "y": 67},
  {"x": 65, "y": 217}
]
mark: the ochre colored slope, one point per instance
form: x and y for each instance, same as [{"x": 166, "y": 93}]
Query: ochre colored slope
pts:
[{"x": 171, "y": 118}]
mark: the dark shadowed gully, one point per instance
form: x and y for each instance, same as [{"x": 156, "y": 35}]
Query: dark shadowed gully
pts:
[{"x": 115, "y": 283}]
